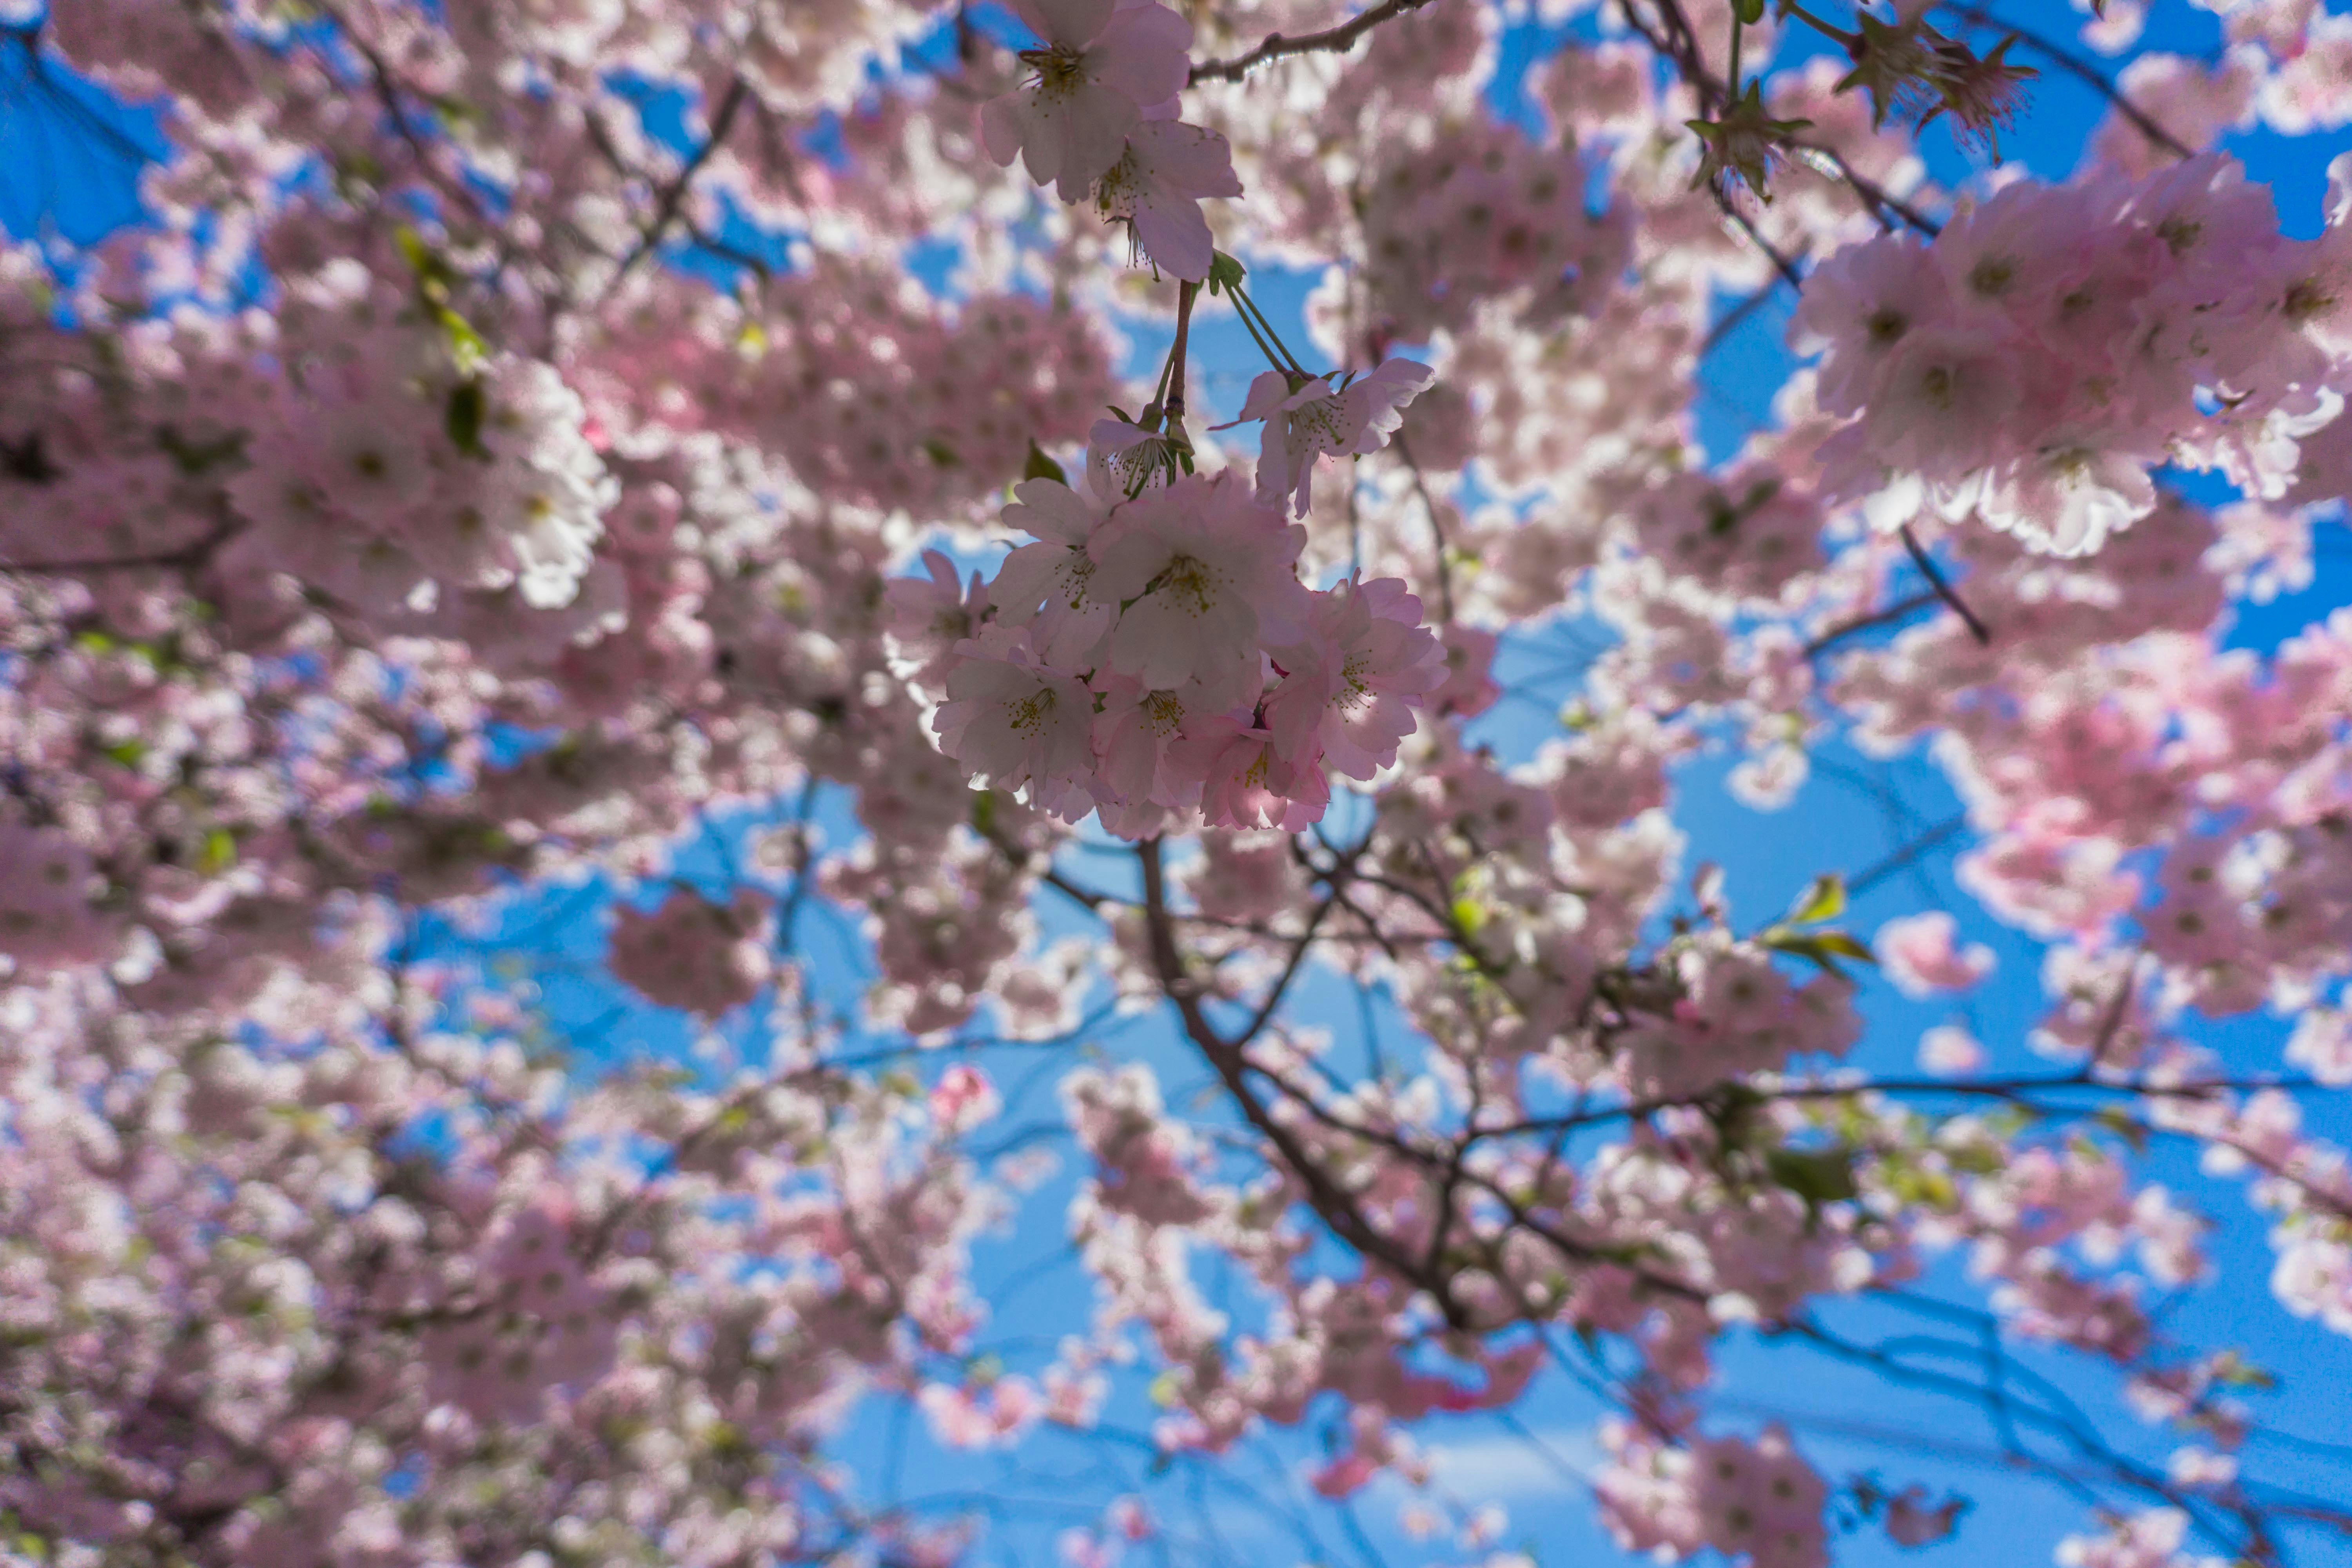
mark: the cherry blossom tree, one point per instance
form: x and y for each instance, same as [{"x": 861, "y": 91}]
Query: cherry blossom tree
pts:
[{"x": 715, "y": 510}]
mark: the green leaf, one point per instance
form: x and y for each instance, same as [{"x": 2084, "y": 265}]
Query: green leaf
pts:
[
  {"x": 2116, "y": 1120},
  {"x": 2232, "y": 1370},
  {"x": 1822, "y": 899},
  {"x": 468, "y": 352},
  {"x": 1041, "y": 465},
  {"x": 940, "y": 452},
  {"x": 1823, "y": 948},
  {"x": 469, "y": 407},
  {"x": 1817, "y": 1175},
  {"x": 1224, "y": 272},
  {"x": 219, "y": 852},
  {"x": 1845, "y": 946},
  {"x": 415, "y": 252},
  {"x": 128, "y": 753}
]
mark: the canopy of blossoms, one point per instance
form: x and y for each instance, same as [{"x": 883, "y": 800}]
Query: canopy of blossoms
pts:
[{"x": 825, "y": 525}]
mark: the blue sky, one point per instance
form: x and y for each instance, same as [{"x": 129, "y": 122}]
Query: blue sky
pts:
[{"x": 65, "y": 173}]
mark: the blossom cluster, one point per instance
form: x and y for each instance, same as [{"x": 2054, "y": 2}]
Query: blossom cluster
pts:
[
  {"x": 2052, "y": 346},
  {"x": 1756, "y": 1501},
  {"x": 485, "y": 484},
  {"x": 1097, "y": 122},
  {"x": 1156, "y": 658}
]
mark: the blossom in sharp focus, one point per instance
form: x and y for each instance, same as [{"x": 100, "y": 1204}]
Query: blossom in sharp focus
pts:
[
  {"x": 1351, "y": 687},
  {"x": 1307, "y": 419},
  {"x": 1205, "y": 574},
  {"x": 1157, "y": 186},
  {"x": 1746, "y": 141},
  {"x": 1244, "y": 781},
  {"x": 1052, "y": 580},
  {"x": 1124, "y": 458},
  {"x": 1013, "y": 719},
  {"x": 1102, "y": 65}
]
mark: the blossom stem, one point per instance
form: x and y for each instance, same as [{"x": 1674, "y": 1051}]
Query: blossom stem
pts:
[
  {"x": 1289, "y": 361},
  {"x": 1437, "y": 530},
  {"x": 1254, "y": 336},
  {"x": 1335, "y": 40},
  {"x": 1159, "y": 392},
  {"x": 1790, "y": 8},
  {"x": 1175, "y": 373}
]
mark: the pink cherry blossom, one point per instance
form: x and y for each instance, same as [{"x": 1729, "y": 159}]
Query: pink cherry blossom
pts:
[
  {"x": 1307, "y": 419},
  {"x": 692, "y": 953},
  {"x": 1056, "y": 574},
  {"x": 1348, "y": 689},
  {"x": 1157, "y": 187},
  {"x": 1203, "y": 572},
  {"x": 963, "y": 1097},
  {"x": 1244, "y": 781},
  {"x": 1920, "y": 954},
  {"x": 1016, "y": 721},
  {"x": 1104, "y": 63},
  {"x": 592, "y": 843},
  {"x": 1950, "y": 1052}
]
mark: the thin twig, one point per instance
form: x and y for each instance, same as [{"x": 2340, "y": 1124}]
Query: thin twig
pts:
[
  {"x": 1892, "y": 613},
  {"x": 1782, "y": 262},
  {"x": 1437, "y": 530},
  {"x": 1944, "y": 591},
  {"x": 2082, "y": 70},
  {"x": 191, "y": 554},
  {"x": 674, "y": 196},
  {"x": 1332, "y": 40},
  {"x": 1729, "y": 321},
  {"x": 1901, "y": 859}
]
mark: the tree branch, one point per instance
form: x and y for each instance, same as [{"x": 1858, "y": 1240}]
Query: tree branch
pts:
[
  {"x": 1892, "y": 613},
  {"x": 673, "y": 196},
  {"x": 1944, "y": 591},
  {"x": 1335, "y": 40}
]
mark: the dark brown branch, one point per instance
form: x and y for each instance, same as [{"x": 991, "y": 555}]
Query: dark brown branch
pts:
[
  {"x": 1323, "y": 1195},
  {"x": 1437, "y": 530},
  {"x": 1944, "y": 591},
  {"x": 673, "y": 196},
  {"x": 1887, "y": 617},
  {"x": 1332, "y": 40},
  {"x": 187, "y": 556},
  {"x": 2018, "y": 1091}
]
